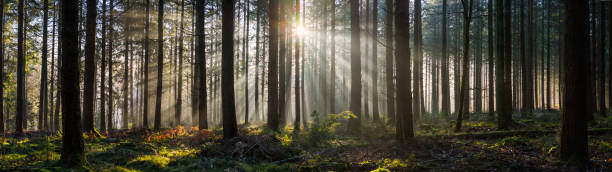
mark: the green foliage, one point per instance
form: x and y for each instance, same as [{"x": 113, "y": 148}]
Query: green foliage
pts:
[
  {"x": 511, "y": 141},
  {"x": 321, "y": 131}
]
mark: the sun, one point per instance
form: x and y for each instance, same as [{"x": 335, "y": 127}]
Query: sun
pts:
[{"x": 300, "y": 30}]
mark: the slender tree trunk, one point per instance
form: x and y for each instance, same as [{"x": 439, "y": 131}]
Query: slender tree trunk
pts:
[
  {"x": 281, "y": 61},
  {"x": 245, "y": 48},
  {"x": 574, "y": 129},
  {"x": 602, "y": 53},
  {"x": 404, "y": 117},
  {"x": 332, "y": 79},
  {"x": 160, "y": 63},
  {"x": 375, "y": 110},
  {"x": 445, "y": 68},
  {"x": 297, "y": 69},
  {"x": 73, "y": 154},
  {"x": 201, "y": 65},
  {"x": 110, "y": 66},
  {"x": 355, "y": 123},
  {"x": 389, "y": 61},
  {"x": 145, "y": 113},
  {"x": 21, "y": 109},
  {"x": 179, "y": 89},
  {"x": 230, "y": 129},
  {"x": 491, "y": 65},
  {"x": 124, "y": 109},
  {"x": 467, "y": 17},
  {"x": 273, "y": 115},
  {"x": 418, "y": 62},
  {"x": 90, "y": 66},
  {"x": 43, "y": 109},
  {"x": 2, "y": 2}
]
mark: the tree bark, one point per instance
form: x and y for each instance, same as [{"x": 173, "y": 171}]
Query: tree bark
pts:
[
  {"x": 273, "y": 66},
  {"x": 355, "y": 123},
  {"x": 145, "y": 113},
  {"x": 43, "y": 109},
  {"x": 574, "y": 129},
  {"x": 389, "y": 61},
  {"x": 21, "y": 109},
  {"x": 230, "y": 129},
  {"x": 467, "y": 17},
  {"x": 402, "y": 43},
  {"x": 445, "y": 68},
  {"x": 201, "y": 65},
  {"x": 160, "y": 63},
  {"x": 73, "y": 152}
]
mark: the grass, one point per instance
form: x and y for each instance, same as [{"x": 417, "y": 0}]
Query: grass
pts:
[{"x": 324, "y": 147}]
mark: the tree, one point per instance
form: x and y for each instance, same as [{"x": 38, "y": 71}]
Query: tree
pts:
[
  {"x": 602, "y": 53},
  {"x": 73, "y": 152},
  {"x": 273, "y": 66},
  {"x": 126, "y": 56},
  {"x": 332, "y": 79},
  {"x": 90, "y": 66},
  {"x": 574, "y": 128},
  {"x": 418, "y": 62},
  {"x": 179, "y": 89},
  {"x": 490, "y": 53},
  {"x": 145, "y": 99},
  {"x": 355, "y": 107},
  {"x": 467, "y": 17},
  {"x": 389, "y": 61},
  {"x": 103, "y": 68},
  {"x": 230, "y": 129},
  {"x": 296, "y": 125},
  {"x": 21, "y": 109},
  {"x": 201, "y": 68},
  {"x": 160, "y": 63},
  {"x": 375, "y": 111},
  {"x": 2, "y": 2},
  {"x": 110, "y": 65},
  {"x": 502, "y": 71},
  {"x": 405, "y": 127},
  {"x": 445, "y": 76},
  {"x": 527, "y": 60},
  {"x": 42, "y": 111}
]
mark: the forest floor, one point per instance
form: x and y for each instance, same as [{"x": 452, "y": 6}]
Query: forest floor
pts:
[{"x": 323, "y": 147}]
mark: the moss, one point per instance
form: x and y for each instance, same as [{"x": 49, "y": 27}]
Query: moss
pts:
[{"x": 149, "y": 162}]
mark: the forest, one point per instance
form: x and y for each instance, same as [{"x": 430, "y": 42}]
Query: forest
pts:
[{"x": 306, "y": 85}]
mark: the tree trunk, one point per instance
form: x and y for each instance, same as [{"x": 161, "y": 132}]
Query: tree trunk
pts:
[
  {"x": 73, "y": 154},
  {"x": 230, "y": 129},
  {"x": 296, "y": 125},
  {"x": 467, "y": 17},
  {"x": 404, "y": 117},
  {"x": 124, "y": 109},
  {"x": 273, "y": 66},
  {"x": 418, "y": 62},
  {"x": 160, "y": 63},
  {"x": 145, "y": 113},
  {"x": 332, "y": 79},
  {"x": 490, "y": 53},
  {"x": 602, "y": 53},
  {"x": 179, "y": 89},
  {"x": 21, "y": 107},
  {"x": 281, "y": 61},
  {"x": 2, "y": 2},
  {"x": 574, "y": 129},
  {"x": 445, "y": 78},
  {"x": 389, "y": 71},
  {"x": 201, "y": 65},
  {"x": 355, "y": 123},
  {"x": 43, "y": 109},
  {"x": 375, "y": 111}
]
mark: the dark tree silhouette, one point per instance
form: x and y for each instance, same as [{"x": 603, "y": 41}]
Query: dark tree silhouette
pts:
[
  {"x": 21, "y": 109},
  {"x": 273, "y": 115},
  {"x": 160, "y": 63},
  {"x": 103, "y": 68},
  {"x": 445, "y": 76},
  {"x": 230, "y": 129},
  {"x": 145, "y": 99},
  {"x": 73, "y": 154},
  {"x": 405, "y": 127},
  {"x": 467, "y": 17},
  {"x": 574, "y": 129},
  {"x": 2, "y": 2},
  {"x": 201, "y": 68},
  {"x": 90, "y": 66},
  {"x": 389, "y": 57}
]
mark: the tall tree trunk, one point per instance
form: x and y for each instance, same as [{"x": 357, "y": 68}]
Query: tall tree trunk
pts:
[
  {"x": 355, "y": 123},
  {"x": 110, "y": 66},
  {"x": 201, "y": 65},
  {"x": 404, "y": 117},
  {"x": 281, "y": 61},
  {"x": 73, "y": 152},
  {"x": 389, "y": 71},
  {"x": 574, "y": 129},
  {"x": 179, "y": 89},
  {"x": 89, "y": 101},
  {"x": 375, "y": 111},
  {"x": 21, "y": 109},
  {"x": 273, "y": 66},
  {"x": 548, "y": 53},
  {"x": 160, "y": 63},
  {"x": 43, "y": 109},
  {"x": 418, "y": 62},
  {"x": 58, "y": 102},
  {"x": 527, "y": 60},
  {"x": 245, "y": 49},
  {"x": 124, "y": 109},
  {"x": 503, "y": 65},
  {"x": 103, "y": 70},
  {"x": 2, "y": 2},
  {"x": 332, "y": 79},
  {"x": 467, "y": 17},
  {"x": 296, "y": 125},
  {"x": 145, "y": 113},
  {"x": 490, "y": 53},
  {"x": 230, "y": 129},
  {"x": 445, "y": 77},
  {"x": 602, "y": 53},
  {"x": 477, "y": 81}
]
